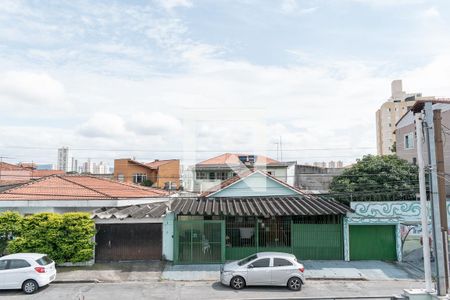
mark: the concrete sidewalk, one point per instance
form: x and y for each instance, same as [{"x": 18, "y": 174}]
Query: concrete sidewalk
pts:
[
  {"x": 152, "y": 271},
  {"x": 112, "y": 272},
  {"x": 314, "y": 270}
]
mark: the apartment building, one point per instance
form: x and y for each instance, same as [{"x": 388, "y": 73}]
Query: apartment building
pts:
[{"x": 390, "y": 112}]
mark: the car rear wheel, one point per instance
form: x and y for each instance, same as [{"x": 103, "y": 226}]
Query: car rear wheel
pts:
[
  {"x": 294, "y": 284},
  {"x": 237, "y": 282},
  {"x": 30, "y": 286}
]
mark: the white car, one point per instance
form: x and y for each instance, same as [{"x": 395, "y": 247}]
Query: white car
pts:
[
  {"x": 264, "y": 268},
  {"x": 26, "y": 271}
]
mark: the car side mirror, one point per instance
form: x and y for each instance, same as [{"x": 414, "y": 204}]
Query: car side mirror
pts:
[{"x": 250, "y": 266}]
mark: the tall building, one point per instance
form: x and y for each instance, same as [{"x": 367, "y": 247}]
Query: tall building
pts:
[
  {"x": 63, "y": 159},
  {"x": 390, "y": 113}
]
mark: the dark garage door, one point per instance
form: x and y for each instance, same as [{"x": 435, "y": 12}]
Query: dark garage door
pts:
[
  {"x": 128, "y": 242},
  {"x": 372, "y": 242}
]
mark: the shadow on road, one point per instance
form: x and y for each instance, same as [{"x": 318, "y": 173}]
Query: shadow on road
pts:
[{"x": 276, "y": 289}]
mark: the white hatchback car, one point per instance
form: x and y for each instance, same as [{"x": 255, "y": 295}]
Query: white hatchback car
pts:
[
  {"x": 264, "y": 268},
  {"x": 26, "y": 271}
]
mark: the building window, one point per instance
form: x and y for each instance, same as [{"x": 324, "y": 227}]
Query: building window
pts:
[
  {"x": 212, "y": 176},
  {"x": 222, "y": 175},
  {"x": 414, "y": 160},
  {"x": 139, "y": 177},
  {"x": 409, "y": 141},
  {"x": 200, "y": 175},
  {"x": 120, "y": 177}
]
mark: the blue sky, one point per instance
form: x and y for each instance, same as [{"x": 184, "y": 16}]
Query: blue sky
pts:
[{"x": 186, "y": 75}]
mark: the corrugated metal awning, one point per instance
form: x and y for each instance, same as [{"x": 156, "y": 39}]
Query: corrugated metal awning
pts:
[
  {"x": 259, "y": 206},
  {"x": 152, "y": 210}
]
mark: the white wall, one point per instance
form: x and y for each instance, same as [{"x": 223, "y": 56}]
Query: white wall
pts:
[{"x": 168, "y": 233}]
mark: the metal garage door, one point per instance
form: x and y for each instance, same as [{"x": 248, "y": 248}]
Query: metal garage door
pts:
[
  {"x": 318, "y": 241},
  {"x": 372, "y": 242},
  {"x": 128, "y": 242}
]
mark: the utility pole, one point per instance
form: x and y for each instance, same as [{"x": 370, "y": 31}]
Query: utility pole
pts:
[
  {"x": 435, "y": 209},
  {"x": 423, "y": 205},
  {"x": 441, "y": 185}
]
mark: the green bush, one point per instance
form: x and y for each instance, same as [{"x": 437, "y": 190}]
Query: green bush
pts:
[
  {"x": 63, "y": 237},
  {"x": 10, "y": 226}
]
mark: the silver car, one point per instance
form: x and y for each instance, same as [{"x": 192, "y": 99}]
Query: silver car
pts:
[{"x": 264, "y": 268}]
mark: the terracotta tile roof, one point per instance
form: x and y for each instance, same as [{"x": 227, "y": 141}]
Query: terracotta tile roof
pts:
[
  {"x": 155, "y": 164},
  {"x": 75, "y": 187},
  {"x": 233, "y": 159},
  {"x": 10, "y": 167},
  {"x": 43, "y": 173}
]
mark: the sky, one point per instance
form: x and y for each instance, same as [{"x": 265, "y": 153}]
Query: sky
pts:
[{"x": 193, "y": 79}]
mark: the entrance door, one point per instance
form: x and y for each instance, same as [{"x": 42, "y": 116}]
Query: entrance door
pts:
[
  {"x": 116, "y": 242},
  {"x": 372, "y": 242}
]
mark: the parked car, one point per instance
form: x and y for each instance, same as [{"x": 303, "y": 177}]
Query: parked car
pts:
[
  {"x": 26, "y": 271},
  {"x": 264, "y": 268}
]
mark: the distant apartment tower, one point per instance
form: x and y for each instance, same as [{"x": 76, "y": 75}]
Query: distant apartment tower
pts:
[
  {"x": 63, "y": 159},
  {"x": 390, "y": 113}
]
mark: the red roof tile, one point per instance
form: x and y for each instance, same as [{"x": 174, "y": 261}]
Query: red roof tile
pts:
[
  {"x": 155, "y": 164},
  {"x": 75, "y": 187},
  {"x": 233, "y": 159}
]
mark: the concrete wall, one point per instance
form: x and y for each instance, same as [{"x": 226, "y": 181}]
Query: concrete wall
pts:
[
  {"x": 315, "y": 178},
  {"x": 168, "y": 233}
]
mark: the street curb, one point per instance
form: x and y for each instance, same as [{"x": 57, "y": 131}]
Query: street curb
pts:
[{"x": 76, "y": 281}]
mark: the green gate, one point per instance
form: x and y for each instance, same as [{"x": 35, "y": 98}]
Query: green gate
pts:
[
  {"x": 372, "y": 242},
  {"x": 318, "y": 241},
  {"x": 199, "y": 241}
]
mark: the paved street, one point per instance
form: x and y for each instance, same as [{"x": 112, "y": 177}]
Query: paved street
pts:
[{"x": 212, "y": 290}]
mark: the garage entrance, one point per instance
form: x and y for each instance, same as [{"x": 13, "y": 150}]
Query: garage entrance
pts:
[
  {"x": 372, "y": 242},
  {"x": 119, "y": 242}
]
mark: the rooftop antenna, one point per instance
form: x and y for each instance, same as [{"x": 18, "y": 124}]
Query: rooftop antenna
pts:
[{"x": 281, "y": 150}]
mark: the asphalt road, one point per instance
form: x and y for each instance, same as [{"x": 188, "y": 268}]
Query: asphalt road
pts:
[{"x": 211, "y": 290}]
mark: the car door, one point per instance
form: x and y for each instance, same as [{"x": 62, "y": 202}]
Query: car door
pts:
[
  {"x": 259, "y": 272},
  {"x": 281, "y": 270},
  {"x": 4, "y": 278},
  {"x": 19, "y": 270}
]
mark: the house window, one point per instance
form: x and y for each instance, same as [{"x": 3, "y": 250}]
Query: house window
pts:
[
  {"x": 409, "y": 140},
  {"x": 139, "y": 177},
  {"x": 212, "y": 176},
  {"x": 120, "y": 177},
  {"x": 222, "y": 175},
  {"x": 200, "y": 175}
]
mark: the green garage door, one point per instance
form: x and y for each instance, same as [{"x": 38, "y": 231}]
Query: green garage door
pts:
[{"x": 372, "y": 242}]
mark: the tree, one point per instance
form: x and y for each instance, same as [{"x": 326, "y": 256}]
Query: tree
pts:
[
  {"x": 10, "y": 226},
  {"x": 377, "y": 178}
]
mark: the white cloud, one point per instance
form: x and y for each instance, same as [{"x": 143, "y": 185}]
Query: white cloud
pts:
[
  {"x": 103, "y": 125},
  {"x": 431, "y": 12},
  {"x": 31, "y": 87},
  {"x": 171, "y": 4},
  {"x": 153, "y": 123},
  {"x": 292, "y": 7}
]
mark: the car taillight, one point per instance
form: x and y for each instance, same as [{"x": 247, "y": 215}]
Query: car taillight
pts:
[
  {"x": 40, "y": 269},
  {"x": 302, "y": 269}
]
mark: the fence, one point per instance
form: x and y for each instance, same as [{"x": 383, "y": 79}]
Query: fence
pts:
[
  {"x": 199, "y": 241},
  {"x": 214, "y": 241}
]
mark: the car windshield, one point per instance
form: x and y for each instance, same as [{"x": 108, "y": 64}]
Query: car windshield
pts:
[
  {"x": 44, "y": 260},
  {"x": 247, "y": 259}
]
